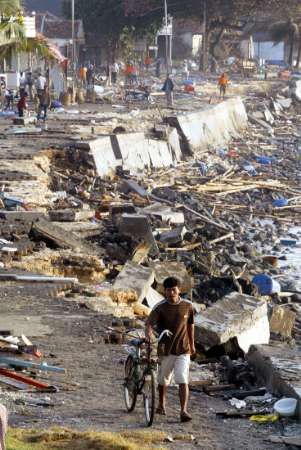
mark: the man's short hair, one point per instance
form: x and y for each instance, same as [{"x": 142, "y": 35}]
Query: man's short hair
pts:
[{"x": 171, "y": 282}]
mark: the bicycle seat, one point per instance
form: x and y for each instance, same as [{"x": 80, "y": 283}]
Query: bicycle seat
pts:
[{"x": 137, "y": 342}]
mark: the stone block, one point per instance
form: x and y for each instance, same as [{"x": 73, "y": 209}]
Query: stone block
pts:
[
  {"x": 135, "y": 277},
  {"x": 234, "y": 316},
  {"x": 165, "y": 213},
  {"x": 282, "y": 321},
  {"x": 153, "y": 297},
  {"x": 70, "y": 215},
  {"x": 176, "y": 269},
  {"x": 121, "y": 208},
  {"x": 138, "y": 226},
  {"x": 278, "y": 367}
]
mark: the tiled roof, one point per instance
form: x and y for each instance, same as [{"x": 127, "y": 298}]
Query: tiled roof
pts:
[{"x": 54, "y": 27}]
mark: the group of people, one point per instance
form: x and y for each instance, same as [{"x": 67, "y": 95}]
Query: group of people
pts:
[{"x": 42, "y": 95}]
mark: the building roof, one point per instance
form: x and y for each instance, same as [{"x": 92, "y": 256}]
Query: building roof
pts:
[
  {"x": 54, "y": 6},
  {"x": 193, "y": 26},
  {"x": 54, "y": 27}
]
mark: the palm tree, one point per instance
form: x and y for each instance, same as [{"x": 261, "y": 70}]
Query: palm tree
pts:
[
  {"x": 9, "y": 7},
  {"x": 11, "y": 22},
  {"x": 286, "y": 31}
]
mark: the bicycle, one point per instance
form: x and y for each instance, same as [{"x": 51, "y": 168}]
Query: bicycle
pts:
[{"x": 140, "y": 379}]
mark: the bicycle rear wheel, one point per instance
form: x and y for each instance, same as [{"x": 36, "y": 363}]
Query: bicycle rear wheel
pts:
[
  {"x": 130, "y": 389},
  {"x": 149, "y": 397}
]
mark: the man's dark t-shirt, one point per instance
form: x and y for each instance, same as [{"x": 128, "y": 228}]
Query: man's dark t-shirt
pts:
[{"x": 175, "y": 318}]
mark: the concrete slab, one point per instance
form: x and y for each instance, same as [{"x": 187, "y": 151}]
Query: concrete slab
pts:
[
  {"x": 134, "y": 152},
  {"x": 57, "y": 235},
  {"x": 235, "y": 315},
  {"x": 104, "y": 157},
  {"x": 176, "y": 269},
  {"x": 174, "y": 142},
  {"x": 138, "y": 226},
  {"x": 26, "y": 216},
  {"x": 214, "y": 125},
  {"x": 278, "y": 366},
  {"x": 135, "y": 277},
  {"x": 160, "y": 154}
]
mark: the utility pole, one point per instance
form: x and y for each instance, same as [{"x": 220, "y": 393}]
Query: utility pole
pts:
[
  {"x": 73, "y": 43},
  {"x": 205, "y": 36},
  {"x": 166, "y": 37}
]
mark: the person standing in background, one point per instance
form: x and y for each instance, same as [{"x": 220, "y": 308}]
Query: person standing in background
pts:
[
  {"x": 114, "y": 72},
  {"x": 22, "y": 104},
  {"x": 168, "y": 88},
  {"x": 22, "y": 83},
  {"x": 29, "y": 84},
  {"x": 223, "y": 84}
]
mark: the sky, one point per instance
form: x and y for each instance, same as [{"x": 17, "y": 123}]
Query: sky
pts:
[{"x": 53, "y": 6}]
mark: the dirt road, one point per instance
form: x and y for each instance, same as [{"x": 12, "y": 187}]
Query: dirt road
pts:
[{"x": 97, "y": 402}]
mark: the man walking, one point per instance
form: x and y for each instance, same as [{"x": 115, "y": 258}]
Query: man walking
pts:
[
  {"x": 175, "y": 317},
  {"x": 168, "y": 88}
]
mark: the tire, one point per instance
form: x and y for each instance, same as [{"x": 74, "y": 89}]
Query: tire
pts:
[
  {"x": 149, "y": 398},
  {"x": 130, "y": 388}
]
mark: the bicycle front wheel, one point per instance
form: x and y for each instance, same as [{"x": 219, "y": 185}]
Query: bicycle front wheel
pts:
[
  {"x": 130, "y": 388},
  {"x": 149, "y": 397}
]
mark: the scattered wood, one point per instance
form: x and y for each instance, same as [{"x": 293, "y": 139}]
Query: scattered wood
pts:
[{"x": 219, "y": 388}]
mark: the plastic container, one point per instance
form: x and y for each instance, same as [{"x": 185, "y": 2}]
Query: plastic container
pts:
[
  {"x": 286, "y": 407},
  {"x": 288, "y": 242},
  {"x": 266, "y": 285},
  {"x": 263, "y": 160},
  {"x": 248, "y": 167},
  {"x": 280, "y": 202}
]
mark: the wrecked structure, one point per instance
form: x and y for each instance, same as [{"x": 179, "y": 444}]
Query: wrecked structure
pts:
[{"x": 100, "y": 217}]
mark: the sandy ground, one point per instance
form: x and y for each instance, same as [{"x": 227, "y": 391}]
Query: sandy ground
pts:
[{"x": 97, "y": 402}]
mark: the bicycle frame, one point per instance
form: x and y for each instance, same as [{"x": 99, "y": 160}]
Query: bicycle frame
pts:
[{"x": 139, "y": 362}]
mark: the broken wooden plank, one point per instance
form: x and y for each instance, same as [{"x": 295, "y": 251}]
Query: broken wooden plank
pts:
[{"x": 26, "y": 380}]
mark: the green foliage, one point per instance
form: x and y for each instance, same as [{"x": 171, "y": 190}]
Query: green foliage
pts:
[
  {"x": 9, "y": 7},
  {"x": 107, "y": 20},
  {"x": 126, "y": 42}
]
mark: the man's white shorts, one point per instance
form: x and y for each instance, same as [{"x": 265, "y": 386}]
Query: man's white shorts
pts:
[{"x": 177, "y": 365}]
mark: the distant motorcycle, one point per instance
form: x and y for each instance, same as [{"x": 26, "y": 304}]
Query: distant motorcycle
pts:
[{"x": 133, "y": 96}]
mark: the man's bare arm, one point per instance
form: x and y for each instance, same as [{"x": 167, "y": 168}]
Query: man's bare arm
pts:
[
  {"x": 148, "y": 331},
  {"x": 190, "y": 330}
]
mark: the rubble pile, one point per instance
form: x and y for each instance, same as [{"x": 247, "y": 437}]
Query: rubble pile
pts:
[{"x": 117, "y": 213}]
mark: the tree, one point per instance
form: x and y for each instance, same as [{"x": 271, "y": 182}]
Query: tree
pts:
[
  {"x": 11, "y": 21},
  {"x": 13, "y": 34},
  {"x": 216, "y": 16},
  {"x": 111, "y": 24}
]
